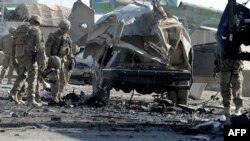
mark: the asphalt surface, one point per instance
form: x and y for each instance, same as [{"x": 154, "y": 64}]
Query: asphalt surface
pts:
[{"x": 140, "y": 119}]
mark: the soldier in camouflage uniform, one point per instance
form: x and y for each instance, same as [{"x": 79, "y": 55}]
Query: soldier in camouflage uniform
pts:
[
  {"x": 59, "y": 44},
  {"x": 231, "y": 79},
  {"x": 6, "y": 44},
  {"x": 28, "y": 39},
  {"x": 231, "y": 82},
  {"x": 41, "y": 62},
  {"x": 51, "y": 75}
]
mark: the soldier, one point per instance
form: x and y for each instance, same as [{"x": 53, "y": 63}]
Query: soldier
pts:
[
  {"x": 41, "y": 61},
  {"x": 6, "y": 44},
  {"x": 27, "y": 40},
  {"x": 231, "y": 78},
  {"x": 51, "y": 75},
  {"x": 59, "y": 44},
  {"x": 231, "y": 83}
]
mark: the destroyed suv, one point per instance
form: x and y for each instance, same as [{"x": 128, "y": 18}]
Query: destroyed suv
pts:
[{"x": 140, "y": 48}]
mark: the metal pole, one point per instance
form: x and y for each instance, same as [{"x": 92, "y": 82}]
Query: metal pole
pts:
[
  {"x": 91, "y": 3},
  {"x": 2, "y": 18},
  {"x": 231, "y": 20}
]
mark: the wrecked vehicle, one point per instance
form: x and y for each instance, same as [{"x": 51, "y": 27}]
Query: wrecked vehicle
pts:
[
  {"x": 140, "y": 48},
  {"x": 83, "y": 68}
]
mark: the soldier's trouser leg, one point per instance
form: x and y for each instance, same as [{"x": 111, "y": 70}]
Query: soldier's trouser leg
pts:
[
  {"x": 226, "y": 91},
  {"x": 55, "y": 91},
  {"x": 19, "y": 96},
  {"x": 2, "y": 74},
  {"x": 10, "y": 74},
  {"x": 32, "y": 70},
  {"x": 20, "y": 81},
  {"x": 64, "y": 79},
  {"x": 37, "y": 95},
  {"x": 225, "y": 87},
  {"x": 237, "y": 85},
  {"x": 21, "y": 92},
  {"x": 4, "y": 68},
  {"x": 11, "y": 69}
]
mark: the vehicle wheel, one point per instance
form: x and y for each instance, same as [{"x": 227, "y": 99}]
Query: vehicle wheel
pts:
[
  {"x": 101, "y": 90},
  {"x": 179, "y": 96},
  {"x": 182, "y": 95}
]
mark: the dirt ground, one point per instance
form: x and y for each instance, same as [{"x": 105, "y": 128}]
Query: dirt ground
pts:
[{"x": 140, "y": 119}]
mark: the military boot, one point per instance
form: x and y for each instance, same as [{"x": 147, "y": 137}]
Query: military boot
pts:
[
  {"x": 59, "y": 96},
  {"x": 13, "y": 96},
  {"x": 38, "y": 100},
  {"x": 32, "y": 102},
  {"x": 19, "y": 99},
  {"x": 55, "y": 98}
]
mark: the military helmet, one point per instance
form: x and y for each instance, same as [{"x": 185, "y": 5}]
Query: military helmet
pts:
[
  {"x": 55, "y": 60},
  {"x": 36, "y": 18},
  {"x": 12, "y": 30},
  {"x": 64, "y": 24}
]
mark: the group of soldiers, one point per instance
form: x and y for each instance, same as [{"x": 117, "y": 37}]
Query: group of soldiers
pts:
[
  {"x": 37, "y": 61},
  {"x": 26, "y": 51}
]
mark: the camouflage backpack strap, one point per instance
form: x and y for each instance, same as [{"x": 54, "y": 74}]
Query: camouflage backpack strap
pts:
[
  {"x": 20, "y": 40},
  {"x": 34, "y": 37},
  {"x": 20, "y": 36}
]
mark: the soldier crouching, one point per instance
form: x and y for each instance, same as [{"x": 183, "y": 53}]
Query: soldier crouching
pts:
[{"x": 51, "y": 75}]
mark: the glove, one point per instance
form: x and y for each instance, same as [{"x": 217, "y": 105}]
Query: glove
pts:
[{"x": 45, "y": 73}]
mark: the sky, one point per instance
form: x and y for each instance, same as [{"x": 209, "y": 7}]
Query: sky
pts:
[
  {"x": 64, "y": 3},
  {"x": 216, "y": 4}
]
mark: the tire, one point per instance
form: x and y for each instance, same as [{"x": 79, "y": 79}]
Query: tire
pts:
[
  {"x": 182, "y": 95},
  {"x": 179, "y": 96}
]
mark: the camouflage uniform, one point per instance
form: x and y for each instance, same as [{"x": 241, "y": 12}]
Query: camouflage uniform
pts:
[
  {"x": 6, "y": 44},
  {"x": 51, "y": 75},
  {"x": 27, "y": 39},
  {"x": 231, "y": 83},
  {"x": 59, "y": 44},
  {"x": 41, "y": 61}
]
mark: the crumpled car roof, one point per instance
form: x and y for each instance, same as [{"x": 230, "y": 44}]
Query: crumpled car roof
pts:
[{"x": 133, "y": 20}]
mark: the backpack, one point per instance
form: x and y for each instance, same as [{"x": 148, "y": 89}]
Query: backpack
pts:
[{"x": 21, "y": 35}]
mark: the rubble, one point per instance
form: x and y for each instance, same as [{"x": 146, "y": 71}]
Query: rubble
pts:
[
  {"x": 201, "y": 137},
  {"x": 56, "y": 118},
  {"x": 79, "y": 110}
]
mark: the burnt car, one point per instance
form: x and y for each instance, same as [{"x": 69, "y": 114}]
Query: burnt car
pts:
[
  {"x": 140, "y": 48},
  {"x": 83, "y": 69}
]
